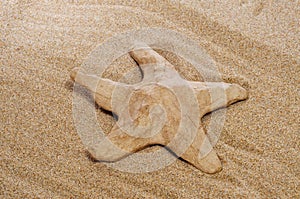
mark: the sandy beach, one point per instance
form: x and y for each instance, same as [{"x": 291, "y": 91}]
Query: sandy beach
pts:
[{"x": 254, "y": 44}]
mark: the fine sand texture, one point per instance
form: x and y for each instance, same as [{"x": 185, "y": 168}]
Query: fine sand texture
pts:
[{"x": 254, "y": 44}]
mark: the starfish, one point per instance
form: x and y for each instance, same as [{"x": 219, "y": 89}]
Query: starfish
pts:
[{"x": 149, "y": 112}]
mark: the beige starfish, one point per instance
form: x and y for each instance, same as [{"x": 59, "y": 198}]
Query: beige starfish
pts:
[{"x": 150, "y": 112}]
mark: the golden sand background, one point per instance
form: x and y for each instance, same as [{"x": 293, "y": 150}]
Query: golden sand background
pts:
[{"x": 254, "y": 43}]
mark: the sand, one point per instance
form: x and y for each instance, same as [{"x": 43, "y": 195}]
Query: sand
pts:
[{"x": 254, "y": 43}]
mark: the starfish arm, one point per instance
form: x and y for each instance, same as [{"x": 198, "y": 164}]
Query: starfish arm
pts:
[
  {"x": 201, "y": 154},
  {"x": 214, "y": 95},
  {"x": 100, "y": 87},
  {"x": 149, "y": 60},
  {"x": 117, "y": 145}
]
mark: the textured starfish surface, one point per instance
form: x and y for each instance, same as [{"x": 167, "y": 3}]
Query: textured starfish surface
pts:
[{"x": 151, "y": 111}]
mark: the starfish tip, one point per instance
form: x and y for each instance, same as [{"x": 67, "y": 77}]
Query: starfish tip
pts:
[{"x": 74, "y": 73}]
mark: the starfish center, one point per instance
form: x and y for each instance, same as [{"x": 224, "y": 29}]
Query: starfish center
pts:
[{"x": 153, "y": 110}]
